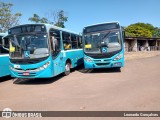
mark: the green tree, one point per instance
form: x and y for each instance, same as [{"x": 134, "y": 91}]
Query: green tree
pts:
[
  {"x": 7, "y": 18},
  {"x": 37, "y": 19},
  {"x": 147, "y": 26},
  {"x": 44, "y": 20},
  {"x": 61, "y": 18},
  {"x": 57, "y": 18},
  {"x": 156, "y": 32},
  {"x": 139, "y": 30}
]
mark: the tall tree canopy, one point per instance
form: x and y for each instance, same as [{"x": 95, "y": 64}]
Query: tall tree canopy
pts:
[
  {"x": 142, "y": 30},
  {"x": 58, "y": 18},
  {"x": 137, "y": 31},
  {"x": 147, "y": 26},
  {"x": 37, "y": 19},
  {"x": 61, "y": 18},
  {"x": 7, "y": 18},
  {"x": 156, "y": 32}
]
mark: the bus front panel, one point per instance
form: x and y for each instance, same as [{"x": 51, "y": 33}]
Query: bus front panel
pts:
[
  {"x": 116, "y": 61},
  {"x": 42, "y": 69}
]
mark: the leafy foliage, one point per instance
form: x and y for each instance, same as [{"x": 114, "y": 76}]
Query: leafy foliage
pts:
[
  {"x": 147, "y": 26},
  {"x": 137, "y": 31},
  {"x": 58, "y": 19},
  {"x": 7, "y": 18},
  {"x": 156, "y": 32},
  {"x": 37, "y": 19},
  {"x": 61, "y": 18}
]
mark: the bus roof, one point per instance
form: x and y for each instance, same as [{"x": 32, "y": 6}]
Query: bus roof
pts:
[
  {"x": 101, "y": 23},
  {"x": 48, "y": 26},
  {"x": 58, "y": 28}
]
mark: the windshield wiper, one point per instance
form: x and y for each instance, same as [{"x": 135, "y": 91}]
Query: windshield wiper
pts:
[
  {"x": 15, "y": 41},
  {"x": 106, "y": 35},
  {"x": 105, "y": 43}
]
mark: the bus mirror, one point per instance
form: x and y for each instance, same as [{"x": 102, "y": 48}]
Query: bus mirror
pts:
[
  {"x": 5, "y": 43},
  {"x": 123, "y": 34}
]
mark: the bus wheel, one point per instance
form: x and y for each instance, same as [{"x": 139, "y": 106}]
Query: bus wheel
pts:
[
  {"x": 67, "y": 69},
  {"x": 88, "y": 70},
  {"x": 118, "y": 69}
]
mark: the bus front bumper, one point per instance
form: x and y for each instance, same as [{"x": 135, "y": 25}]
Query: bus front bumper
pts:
[
  {"x": 103, "y": 65},
  {"x": 43, "y": 73}
]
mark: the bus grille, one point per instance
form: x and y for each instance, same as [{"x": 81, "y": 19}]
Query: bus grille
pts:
[{"x": 101, "y": 60}]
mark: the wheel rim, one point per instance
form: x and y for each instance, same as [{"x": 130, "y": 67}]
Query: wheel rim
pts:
[{"x": 67, "y": 67}]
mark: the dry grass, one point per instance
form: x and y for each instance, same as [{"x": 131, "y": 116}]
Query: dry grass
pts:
[{"x": 138, "y": 55}]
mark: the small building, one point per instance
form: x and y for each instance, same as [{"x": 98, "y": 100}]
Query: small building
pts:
[{"x": 141, "y": 44}]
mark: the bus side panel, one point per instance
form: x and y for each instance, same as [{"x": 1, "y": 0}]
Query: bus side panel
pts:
[
  {"x": 58, "y": 64},
  {"x": 76, "y": 57},
  {"x": 4, "y": 67}
]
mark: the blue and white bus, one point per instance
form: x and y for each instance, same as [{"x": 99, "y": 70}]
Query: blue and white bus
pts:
[
  {"x": 43, "y": 51},
  {"x": 103, "y": 46},
  {"x": 4, "y": 56}
]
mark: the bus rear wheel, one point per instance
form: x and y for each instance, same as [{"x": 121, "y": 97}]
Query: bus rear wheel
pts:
[{"x": 67, "y": 69}]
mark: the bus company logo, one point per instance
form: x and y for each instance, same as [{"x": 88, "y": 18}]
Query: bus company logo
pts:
[
  {"x": 7, "y": 113},
  {"x": 104, "y": 50},
  {"x": 102, "y": 60}
]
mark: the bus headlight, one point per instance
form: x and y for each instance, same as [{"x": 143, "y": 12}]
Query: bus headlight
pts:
[
  {"x": 35, "y": 70},
  {"x": 44, "y": 66},
  {"x": 11, "y": 68},
  {"x": 87, "y": 59},
  {"x": 118, "y": 57}
]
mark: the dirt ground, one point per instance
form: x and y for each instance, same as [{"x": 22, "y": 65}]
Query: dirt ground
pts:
[{"x": 138, "y": 55}]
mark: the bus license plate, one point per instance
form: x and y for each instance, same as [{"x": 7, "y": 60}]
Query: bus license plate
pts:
[{"x": 26, "y": 73}]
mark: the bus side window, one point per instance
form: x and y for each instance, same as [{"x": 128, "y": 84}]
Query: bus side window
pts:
[
  {"x": 6, "y": 43},
  {"x": 74, "y": 41},
  {"x": 79, "y": 42},
  {"x": 4, "y": 47},
  {"x": 66, "y": 40},
  {"x": 0, "y": 44},
  {"x": 0, "y": 41}
]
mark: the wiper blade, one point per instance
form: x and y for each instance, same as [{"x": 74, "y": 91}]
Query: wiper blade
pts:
[
  {"x": 16, "y": 41},
  {"x": 104, "y": 43},
  {"x": 106, "y": 35}
]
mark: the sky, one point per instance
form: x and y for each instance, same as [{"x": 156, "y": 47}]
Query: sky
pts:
[{"x": 82, "y": 13}]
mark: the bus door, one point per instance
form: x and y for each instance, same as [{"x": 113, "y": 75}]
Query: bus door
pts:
[
  {"x": 4, "y": 56},
  {"x": 57, "y": 56}
]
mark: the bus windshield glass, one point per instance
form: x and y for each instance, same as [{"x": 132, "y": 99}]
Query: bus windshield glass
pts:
[
  {"x": 102, "y": 41},
  {"x": 28, "y": 46}
]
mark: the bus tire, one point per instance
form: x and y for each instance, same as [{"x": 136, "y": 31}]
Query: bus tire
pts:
[
  {"x": 67, "y": 68},
  {"x": 88, "y": 70},
  {"x": 118, "y": 69}
]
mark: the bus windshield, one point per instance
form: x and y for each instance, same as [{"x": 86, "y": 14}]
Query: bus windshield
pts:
[
  {"x": 28, "y": 46},
  {"x": 102, "y": 41}
]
